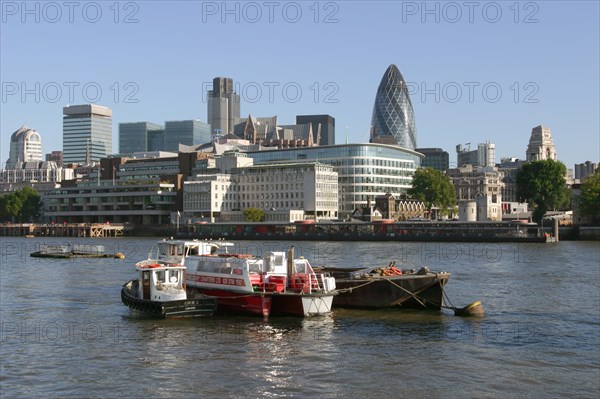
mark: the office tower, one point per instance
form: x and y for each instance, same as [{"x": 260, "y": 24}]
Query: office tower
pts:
[
  {"x": 156, "y": 140},
  {"x": 189, "y": 132},
  {"x": 393, "y": 120},
  {"x": 87, "y": 133},
  {"x": 138, "y": 137},
  {"x": 435, "y": 158},
  {"x": 25, "y": 146},
  {"x": 541, "y": 145},
  {"x": 583, "y": 170},
  {"x": 484, "y": 155},
  {"x": 223, "y": 106},
  {"x": 326, "y": 136}
]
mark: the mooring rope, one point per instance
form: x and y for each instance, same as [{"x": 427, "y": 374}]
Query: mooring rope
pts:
[
  {"x": 409, "y": 293},
  {"x": 343, "y": 290}
]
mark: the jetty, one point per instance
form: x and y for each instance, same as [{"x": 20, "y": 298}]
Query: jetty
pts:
[{"x": 63, "y": 230}]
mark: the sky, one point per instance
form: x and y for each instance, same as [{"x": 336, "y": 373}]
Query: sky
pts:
[{"x": 476, "y": 71}]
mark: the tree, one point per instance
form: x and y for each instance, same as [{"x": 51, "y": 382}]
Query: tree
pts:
[
  {"x": 542, "y": 185},
  {"x": 254, "y": 215},
  {"x": 589, "y": 200},
  {"x": 31, "y": 204},
  {"x": 20, "y": 206},
  {"x": 434, "y": 188}
]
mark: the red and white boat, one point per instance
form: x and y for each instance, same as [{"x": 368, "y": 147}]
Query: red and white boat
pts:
[{"x": 277, "y": 284}]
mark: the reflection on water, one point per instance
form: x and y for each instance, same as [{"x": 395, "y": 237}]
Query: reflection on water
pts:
[{"x": 65, "y": 333}]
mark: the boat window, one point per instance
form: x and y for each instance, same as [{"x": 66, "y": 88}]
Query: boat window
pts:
[
  {"x": 163, "y": 249},
  {"x": 160, "y": 276},
  {"x": 300, "y": 267},
  {"x": 173, "y": 276},
  {"x": 254, "y": 267},
  {"x": 278, "y": 259}
]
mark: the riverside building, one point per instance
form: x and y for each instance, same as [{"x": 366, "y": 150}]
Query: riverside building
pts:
[
  {"x": 286, "y": 192},
  {"x": 364, "y": 171}
]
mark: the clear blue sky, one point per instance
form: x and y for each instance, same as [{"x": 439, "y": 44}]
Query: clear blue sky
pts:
[{"x": 478, "y": 70}]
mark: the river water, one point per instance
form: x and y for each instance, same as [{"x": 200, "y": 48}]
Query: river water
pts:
[{"x": 65, "y": 333}]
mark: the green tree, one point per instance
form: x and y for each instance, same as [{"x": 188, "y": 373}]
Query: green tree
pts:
[
  {"x": 589, "y": 200},
  {"x": 542, "y": 185},
  {"x": 31, "y": 204},
  {"x": 434, "y": 188},
  {"x": 254, "y": 215},
  {"x": 20, "y": 206}
]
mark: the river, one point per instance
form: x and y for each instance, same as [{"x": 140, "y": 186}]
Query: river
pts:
[{"x": 65, "y": 333}]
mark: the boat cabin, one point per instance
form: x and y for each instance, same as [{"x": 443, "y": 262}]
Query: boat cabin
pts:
[
  {"x": 244, "y": 272},
  {"x": 161, "y": 282},
  {"x": 174, "y": 251}
]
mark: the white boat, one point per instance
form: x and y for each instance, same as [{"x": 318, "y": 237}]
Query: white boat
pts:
[{"x": 160, "y": 291}]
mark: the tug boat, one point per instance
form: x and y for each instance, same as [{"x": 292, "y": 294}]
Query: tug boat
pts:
[
  {"x": 162, "y": 293},
  {"x": 242, "y": 283}
]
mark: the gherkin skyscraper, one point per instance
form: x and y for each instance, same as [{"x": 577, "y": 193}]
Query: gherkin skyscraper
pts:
[{"x": 393, "y": 120}]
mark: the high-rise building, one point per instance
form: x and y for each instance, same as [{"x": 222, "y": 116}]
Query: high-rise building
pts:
[
  {"x": 484, "y": 155},
  {"x": 583, "y": 170},
  {"x": 393, "y": 120},
  {"x": 223, "y": 106},
  {"x": 189, "y": 132},
  {"x": 326, "y": 123},
  {"x": 435, "y": 158},
  {"x": 25, "y": 146},
  {"x": 541, "y": 145},
  {"x": 137, "y": 137},
  {"x": 87, "y": 133},
  {"x": 156, "y": 140}
]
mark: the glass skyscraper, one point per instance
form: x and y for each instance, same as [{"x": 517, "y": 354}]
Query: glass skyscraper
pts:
[
  {"x": 87, "y": 133},
  {"x": 189, "y": 132},
  {"x": 393, "y": 120},
  {"x": 139, "y": 137}
]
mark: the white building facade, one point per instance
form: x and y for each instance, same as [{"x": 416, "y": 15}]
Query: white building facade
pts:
[
  {"x": 284, "y": 191},
  {"x": 25, "y": 146}
]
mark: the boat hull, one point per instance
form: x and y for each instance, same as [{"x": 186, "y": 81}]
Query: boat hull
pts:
[
  {"x": 302, "y": 305},
  {"x": 256, "y": 304},
  {"x": 410, "y": 291},
  {"x": 201, "y": 306}
]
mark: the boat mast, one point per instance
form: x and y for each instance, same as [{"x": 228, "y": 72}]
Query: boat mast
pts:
[{"x": 290, "y": 265}]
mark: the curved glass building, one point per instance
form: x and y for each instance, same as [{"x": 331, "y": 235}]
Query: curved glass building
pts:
[
  {"x": 393, "y": 120},
  {"x": 364, "y": 170}
]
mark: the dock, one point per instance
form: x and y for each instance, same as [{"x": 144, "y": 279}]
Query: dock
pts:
[{"x": 63, "y": 230}]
